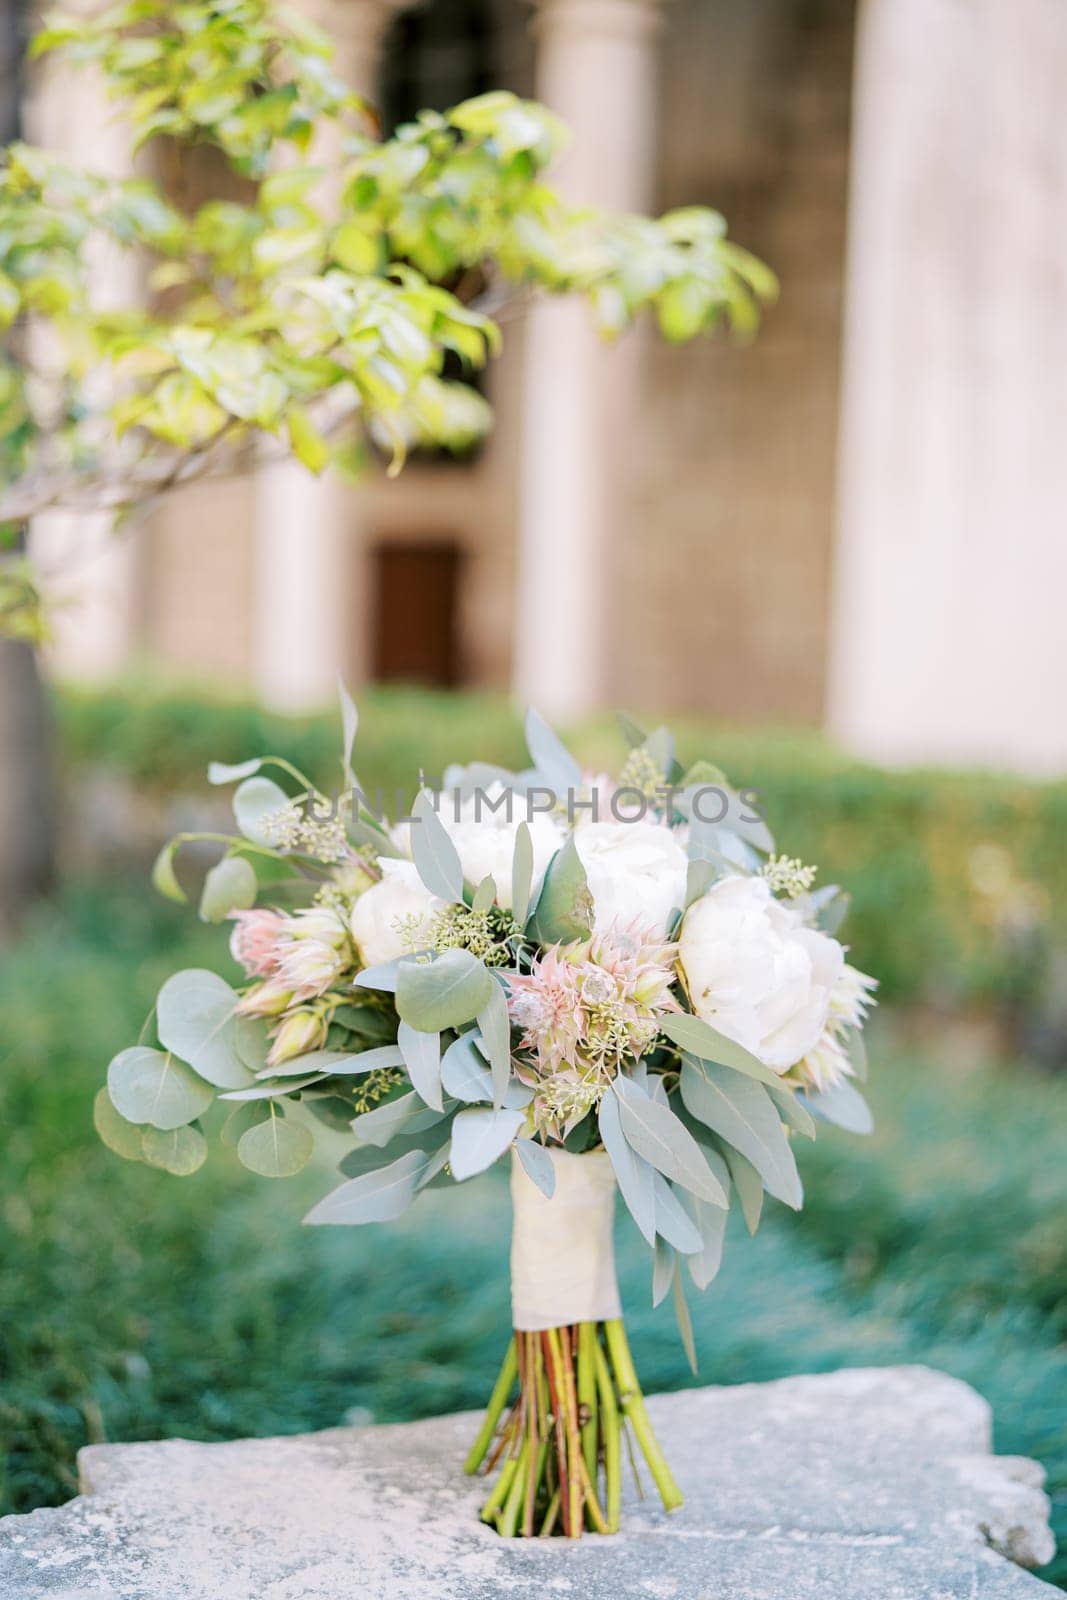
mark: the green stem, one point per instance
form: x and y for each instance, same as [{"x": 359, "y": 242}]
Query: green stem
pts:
[
  {"x": 509, "y": 1516},
  {"x": 633, "y": 1405},
  {"x": 497, "y": 1402},
  {"x": 500, "y": 1489},
  {"x": 610, "y": 1429},
  {"x": 574, "y": 1438},
  {"x": 550, "y": 1515},
  {"x": 587, "y": 1409}
]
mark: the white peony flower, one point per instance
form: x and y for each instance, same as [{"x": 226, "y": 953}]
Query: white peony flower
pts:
[
  {"x": 485, "y": 838},
  {"x": 636, "y": 873},
  {"x": 756, "y": 973},
  {"x": 384, "y": 915}
]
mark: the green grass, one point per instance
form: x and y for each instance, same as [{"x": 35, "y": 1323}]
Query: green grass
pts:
[{"x": 134, "y": 1305}]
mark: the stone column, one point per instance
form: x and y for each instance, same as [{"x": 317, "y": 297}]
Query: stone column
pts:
[
  {"x": 949, "y": 641},
  {"x": 310, "y": 605},
  {"x": 597, "y": 70},
  {"x": 89, "y": 572}
]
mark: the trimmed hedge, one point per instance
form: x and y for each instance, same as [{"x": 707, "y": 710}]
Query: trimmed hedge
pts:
[{"x": 959, "y": 880}]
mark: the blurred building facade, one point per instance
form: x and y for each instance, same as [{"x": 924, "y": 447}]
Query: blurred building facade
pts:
[{"x": 855, "y": 521}]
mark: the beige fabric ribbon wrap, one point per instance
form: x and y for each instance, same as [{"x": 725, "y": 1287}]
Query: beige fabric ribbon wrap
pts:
[{"x": 562, "y": 1251}]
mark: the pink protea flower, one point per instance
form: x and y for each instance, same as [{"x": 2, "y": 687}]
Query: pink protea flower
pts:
[
  {"x": 585, "y": 1009},
  {"x": 255, "y": 939}
]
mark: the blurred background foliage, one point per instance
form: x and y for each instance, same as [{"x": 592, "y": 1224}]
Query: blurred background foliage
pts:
[
  {"x": 132, "y": 1307},
  {"x": 958, "y": 879}
]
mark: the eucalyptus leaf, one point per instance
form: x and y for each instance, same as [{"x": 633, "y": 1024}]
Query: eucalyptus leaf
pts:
[
  {"x": 464, "y": 1073},
  {"x": 383, "y": 976},
  {"x": 792, "y": 1110},
  {"x": 743, "y": 1114},
  {"x": 537, "y": 1165},
  {"x": 349, "y": 727},
  {"x": 633, "y": 1173},
  {"x": 220, "y": 772},
  {"x": 659, "y": 747},
  {"x": 564, "y": 907},
  {"x": 405, "y": 1115},
  {"x": 421, "y": 1054},
  {"x": 256, "y": 799},
  {"x": 673, "y": 1221},
  {"x": 633, "y": 735},
  {"x": 699, "y": 877},
  {"x": 711, "y": 1224},
  {"x": 275, "y": 1148},
  {"x": 684, "y": 1321},
  {"x": 553, "y": 761},
  {"x": 120, "y": 1136},
  {"x": 435, "y": 856},
  {"x": 181, "y": 1151},
  {"x": 241, "y": 1118},
  {"x": 164, "y": 878},
  {"x": 231, "y": 885},
  {"x": 653, "y": 1130},
  {"x": 844, "y": 1106},
  {"x": 748, "y": 1184},
  {"x": 332, "y": 1110},
  {"x": 664, "y": 1262},
  {"x": 485, "y": 894},
  {"x": 152, "y": 1086},
  {"x": 522, "y": 866},
  {"x": 381, "y": 1195},
  {"x": 371, "y": 1157},
  {"x": 252, "y": 1041},
  {"x": 494, "y": 1024},
  {"x": 832, "y": 908},
  {"x": 701, "y": 1039},
  {"x": 444, "y": 992},
  {"x": 195, "y": 1018},
  {"x": 277, "y": 1090},
  {"x": 857, "y": 1054},
  {"x": 480, "y": 1135}
]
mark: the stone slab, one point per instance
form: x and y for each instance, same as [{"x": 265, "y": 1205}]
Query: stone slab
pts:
[{"x": 865, "y": 1484}]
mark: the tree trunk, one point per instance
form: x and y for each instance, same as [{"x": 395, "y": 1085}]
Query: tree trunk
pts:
[{"x": 27, "y": 796}]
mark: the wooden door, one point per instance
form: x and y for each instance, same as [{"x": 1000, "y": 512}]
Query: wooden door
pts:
[{"x": 415, "y": 616}]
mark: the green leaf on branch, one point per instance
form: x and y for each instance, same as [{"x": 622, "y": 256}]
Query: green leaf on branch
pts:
[
  {"x": 480, "y": 1136},
  {"x": 842, "y": 1105},
  {"x": 276, "y": 1147},
  {"x": 231, "y": 885},
  {"x": 522, "y": 865},
  {"x": 444, "y": 992},
  {"x": 408, "y": 1114},
  {"x": 537, "y": 1165},
  {"x": 742, "y": 1113},
  {"x": 256, "y": 800},
  {"x": 381, "y": 1195},
  {"x": 151, "y": 1086},
  {"x": 434, "y": 854},
  {"x": 120, "y": 1136},
  {"x": 421, "y": 1053},
  {"x": 748, "y": 1183},
  {"x": 653, "y": 1130},
  {"x": 673, "y": 1223},
  {"x": 196, "y": 1019},
  {"x": 634, "y": 1175},
  {"x": 699, "y": 1038},
  {"x": 181, "y": 1151},
  {"x": 564, "y": 907}
]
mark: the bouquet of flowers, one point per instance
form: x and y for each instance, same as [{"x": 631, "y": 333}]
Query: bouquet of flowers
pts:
[{"x": 616, "y": 984}]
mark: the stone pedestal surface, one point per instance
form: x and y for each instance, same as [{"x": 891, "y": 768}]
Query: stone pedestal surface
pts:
[{"x": 868, "y": 1484}]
